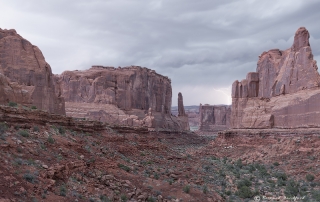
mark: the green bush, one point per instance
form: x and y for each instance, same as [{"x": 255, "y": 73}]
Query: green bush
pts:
[
  {"x": 33, "y": 107},
  {"x": 205, "y": 189},
  {"x": 50, "y": 140},
  {"x": 292, "y": 189},
  {"x": 3, "y": 128},
  {"x": 281, "y": 176},
  {"x": 244, "y": 182},
  {"x": 245, "y": 192},
  {"x": 124, "y": 167},
  {"x": 104, "y": 198},
  {"x": 151, "y": 199},
  {"x": 61, "y": 130},
  {"x": 186, "y": 189},
  {"x": 239, "y": 163},
  {"x": 12, "y": 104},
  {"x": 30, "y": 177},
  {"x": 316, "y": 195},
  {"x": 63, "y": 190},
  {"x": 310, "y": 177},
  {"x": 36, "y": 129},
  {"x": 23, "y": 133},
  {"x": 123, "y": 198}
]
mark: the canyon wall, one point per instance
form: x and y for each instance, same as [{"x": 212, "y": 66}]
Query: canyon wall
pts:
[
  {"x": 25, "y": 77},
  {"x": 192, "y": 113},
  {"x": 131, "y": 96},
  {"x": 214, "y": 117},
  {"x": 283, "y": 92}
]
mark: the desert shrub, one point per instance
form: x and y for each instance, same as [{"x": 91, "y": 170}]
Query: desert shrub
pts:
[
  {"x": 23, "y": 133},
  {"x": 36, "y": 129},
  {"x": 276, "y": 164},
  {"x": 251, "y": 168},
  {"x": 292, "y": 189},
  {"x": 30, "y": 177},
  {"x": 281, "y": 176},
  {"x": 12, "y": 104},
  {"x": 186, "y": 189},
  {"x": 156, "y": 176},
  {"x": 228, "y": 193},
  {"x": 33, "y": 107},
  {"x": 61, "y": 130},
  {"x": 123, "y": 198},
  {"x": 50, "y": 140},
  {"x": 244, "y": 182},
  {"x": 151, "y": 199},
  {"x": 205, "y": 189},
  {"x": 63, "y": 190},
  {"x": 316, "y": 195},
  {"x": 245, "y": 192},
  {"x": 310, "y": 177},
  {"x": 104, "y": 198},
  {"x": 3, "y": 127},
  {"x": 124, "y": 167},
  {"x": 239, "y": 163}
]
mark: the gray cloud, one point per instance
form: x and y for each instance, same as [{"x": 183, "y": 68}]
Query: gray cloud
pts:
[{"x": 203, "y": 46}]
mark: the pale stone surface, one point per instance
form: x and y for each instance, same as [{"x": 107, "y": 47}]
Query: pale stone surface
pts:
[{"x": 288, "y": 88}]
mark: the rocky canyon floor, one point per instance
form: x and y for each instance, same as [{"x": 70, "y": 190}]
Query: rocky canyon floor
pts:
[{"x": 47, "y": 162}]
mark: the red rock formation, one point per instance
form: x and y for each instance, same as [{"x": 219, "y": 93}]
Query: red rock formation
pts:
[
  {"x": 214, "y": 117},
  {"x": 182, "y": 116},
  {"x": 282, "y": 93},
  {"x": 118, "y": 96},
  {"x": 25, "y": 76}
]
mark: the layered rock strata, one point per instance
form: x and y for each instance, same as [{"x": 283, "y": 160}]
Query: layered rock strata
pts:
[
  {"x": 25, "y": 76},
  {"x": 283, "y": 92},
  {"x": 133, "y": 96},
  {"x": 214, "y": 118}
]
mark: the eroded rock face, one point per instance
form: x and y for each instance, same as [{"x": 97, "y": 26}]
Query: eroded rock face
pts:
[
  {"x": 128, "y": 96},
  {"x": 279, "y": 93},
  {"x": 182, "y": 116},
  {"x": 25, "y": 76},
  {"x": 214, "y": 117}
]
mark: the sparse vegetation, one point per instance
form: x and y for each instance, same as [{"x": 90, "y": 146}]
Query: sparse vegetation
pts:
[
  {"x": 186, "y": 189},
  {"x": 12, "y": 104},
  {"x": 124, "y": 167},
  {"x": 36, "y": 129},
  {"x": 50, "y": 140},
  {"x": 23, "y": 133},
  {"x": 63, "y": 190},
  {"x": 310, "y": 177},
  {"x": 30, "y": 177}
]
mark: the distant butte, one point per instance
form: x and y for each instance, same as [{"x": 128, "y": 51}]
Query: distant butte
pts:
[{"x": 283, "y": 92}]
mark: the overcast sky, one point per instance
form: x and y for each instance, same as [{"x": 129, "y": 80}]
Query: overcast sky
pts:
[{"x": 203, "y": 46}]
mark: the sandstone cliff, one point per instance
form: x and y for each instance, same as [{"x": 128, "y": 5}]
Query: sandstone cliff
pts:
[
  {"x": 282, "y": 92},
  {"x": 131, "y": 96},
  {"x": 214, "y": 117},
  {"x": 25, "y": 76}
]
